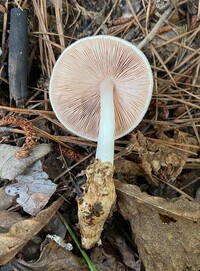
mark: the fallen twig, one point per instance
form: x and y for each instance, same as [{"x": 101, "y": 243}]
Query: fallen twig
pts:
[
  {"x": 18, "y": 56},
  {"x": 154, "y": 30}
]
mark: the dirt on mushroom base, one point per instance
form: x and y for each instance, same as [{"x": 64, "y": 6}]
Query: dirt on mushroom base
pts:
[{"x": 96, "y": 203}]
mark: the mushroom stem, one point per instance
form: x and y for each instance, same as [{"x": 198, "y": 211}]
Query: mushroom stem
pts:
[{"x": 106, "y": 136}]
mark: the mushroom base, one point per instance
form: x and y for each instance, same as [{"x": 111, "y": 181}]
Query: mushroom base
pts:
[{"x": 96, "y": 203}]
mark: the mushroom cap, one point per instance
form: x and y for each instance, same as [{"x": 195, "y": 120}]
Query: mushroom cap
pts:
[{"x": 76, "y": 77}]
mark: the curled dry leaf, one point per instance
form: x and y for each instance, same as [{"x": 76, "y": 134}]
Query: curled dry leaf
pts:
[
  {"x": 11, "y": 167},
  {"x": 53, "y": 258},
  {"x": 163, "y": 229},
  {"x": 20, "y": 233},
  {"x": 123, "y": 166},
  {"x": 96, "y": 202},
  {"x": 161, "y": 158},
  {"x": 31, "y": 135}
]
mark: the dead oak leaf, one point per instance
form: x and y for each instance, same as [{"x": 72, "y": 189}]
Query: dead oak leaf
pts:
[
  {"x": 20, "y": 233},
  {"x": 163, "y": 229},
  {"x": 164, "y": 157}
]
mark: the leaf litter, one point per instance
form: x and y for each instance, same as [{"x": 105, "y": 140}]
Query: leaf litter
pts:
[
  {"x": 161, "y": 157},
  {"x": 33, "y": 189},
  {"x": 164, "y": 229},
  {"x": 53, "y": 257},
  {"x": 8, "y": 160},
  {"x": 21, "y": 232},
  {"x": 157, "y": 165}
]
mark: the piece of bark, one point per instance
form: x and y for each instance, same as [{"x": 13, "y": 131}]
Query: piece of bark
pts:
[{"x": 18, "y": 59}]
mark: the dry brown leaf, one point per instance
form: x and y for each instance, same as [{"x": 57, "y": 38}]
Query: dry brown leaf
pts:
[
  {"x": 117, "y": 240},
  {"x": 53, "y": 258},
  {"x": 104, "y": 261},
  {"x": 166, "y": 231},
  {"x": 22, "y": 232},
  {"x": 132, "y": 170},
  {"x": 7, "y": 219},
  {"x": 164, "y": 157}
]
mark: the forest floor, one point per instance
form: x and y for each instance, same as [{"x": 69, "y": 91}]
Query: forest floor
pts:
[{"x": 155, "y": 222}]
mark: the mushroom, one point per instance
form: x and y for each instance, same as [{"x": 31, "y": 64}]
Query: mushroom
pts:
[{"x": 100, "y": 89}]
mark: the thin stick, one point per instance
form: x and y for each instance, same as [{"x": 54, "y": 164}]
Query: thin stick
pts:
[
  {"x": 5, "y": 19},
  {"x": 26, "y": 111},
  {"x": 70, "y": 168},
  {"x": 154, "y": 30},
  {"x": 58, "y": 12}
]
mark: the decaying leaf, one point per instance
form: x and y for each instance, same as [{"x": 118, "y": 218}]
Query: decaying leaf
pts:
[
  {"x": 132, "y": 170},
  {"x": 166, "y": 231},
  {"x": 53, "y": 258},
  {"x": 11, "y": 167},
  {"x": 115, "y": 234},
  {"x": 33, "y": 189},
  {"x": 7, "y": 219},
  {"x": 104, "y": 261},
  {"x": 20, "y": 233},
  {"x": 96, "y": 202},
  {"x": 6, "y": 200},
  {"x": 164, "y": 157}
]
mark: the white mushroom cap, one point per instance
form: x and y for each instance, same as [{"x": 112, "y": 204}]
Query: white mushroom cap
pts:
[{"x": 78, "y": 73}]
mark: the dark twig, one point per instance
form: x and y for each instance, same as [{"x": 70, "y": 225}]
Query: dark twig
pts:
[{"x": 18, "y": 42}]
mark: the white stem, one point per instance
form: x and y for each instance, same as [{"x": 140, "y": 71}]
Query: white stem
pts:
[{"x": 105, "y": 146}]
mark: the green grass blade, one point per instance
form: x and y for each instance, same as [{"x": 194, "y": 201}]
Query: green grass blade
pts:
[{"x": 85, "y": 256}]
